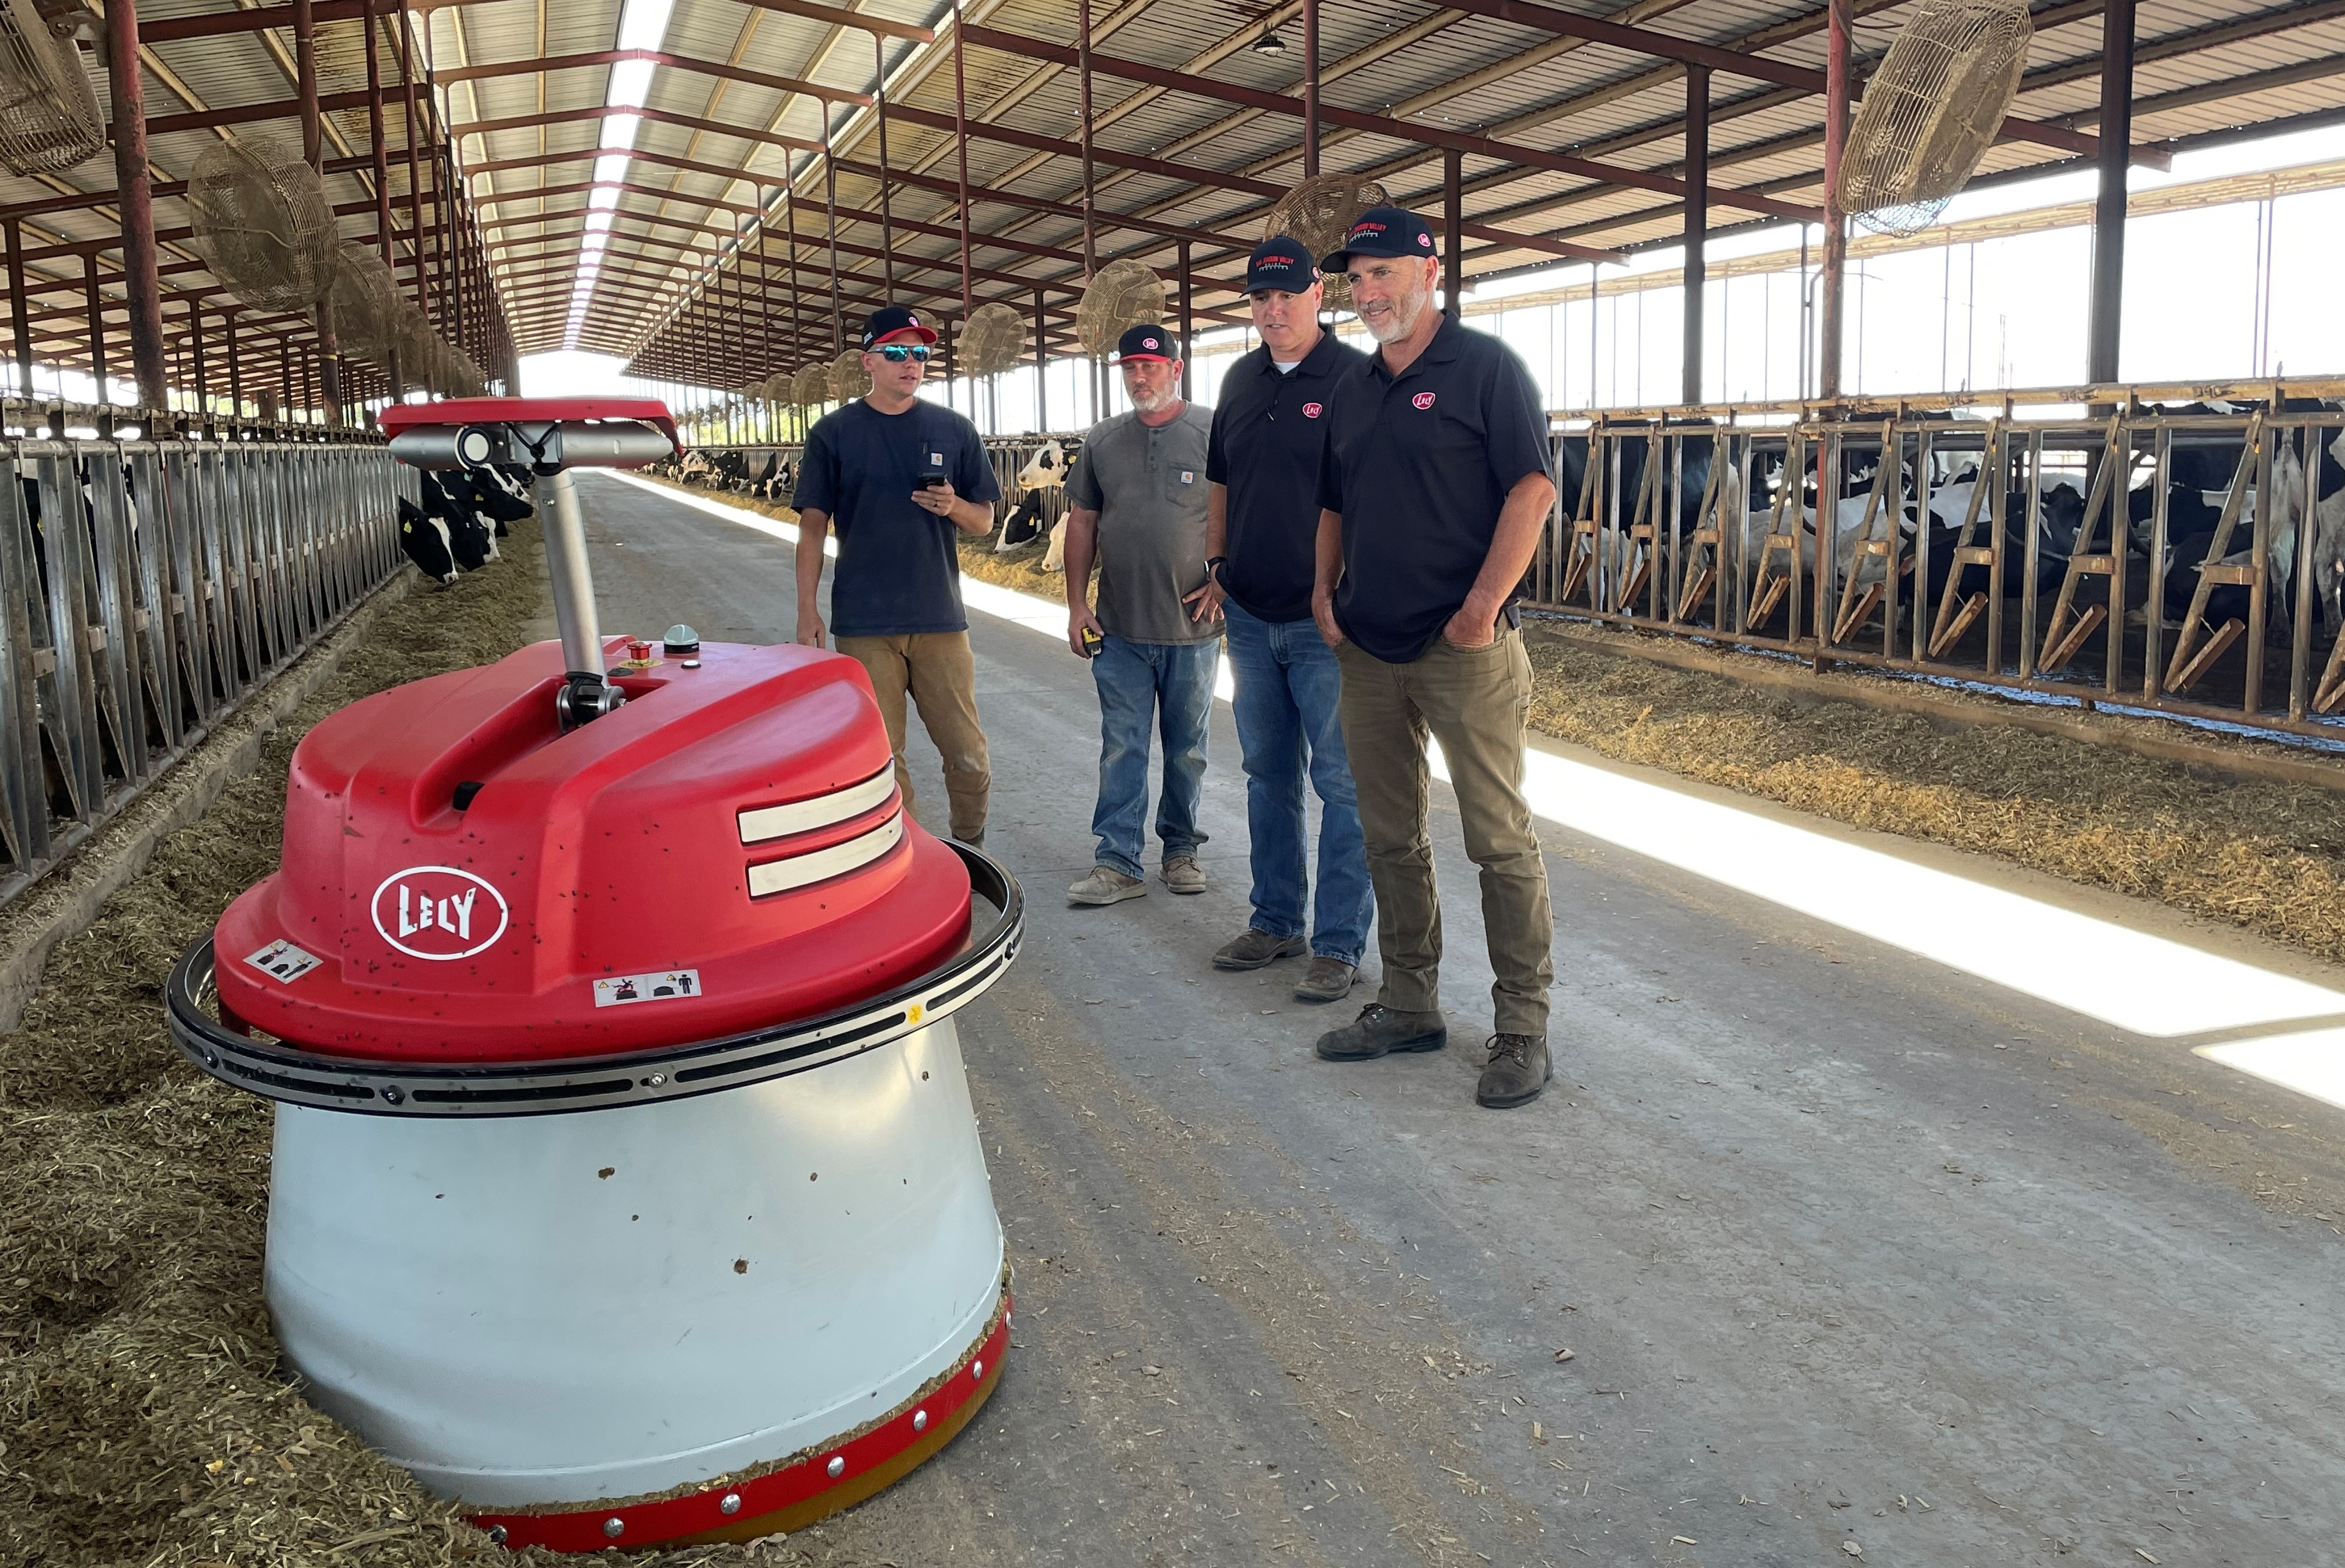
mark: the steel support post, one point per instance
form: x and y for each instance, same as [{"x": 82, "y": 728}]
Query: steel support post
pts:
[
  {"x": 1453, "y": 197},
  {"x": 798, "y": 324},
  {"x": 960, "y": 150},
  {"x": 235, "y": 366},
  {"x": 313, "y": 143},
  {"x": 1310, "y": 87},
  {"x": 831, "y": 214},
  {"x": 1083, "y": 76},
  {"x": 414, "y": 167},
  {"x": 2115, "y": 128},
  {"x": 196, "y": 360},
  {"x": 133, "y": 201},
  {"x": 1041, "y": 366},
  {"x": 95, "y": 308},
  {"x": 1834, "y": 332},
  {"x": 20, "y": 307},
  {"x": 382, "y": 166},
  {"x": 879, "y": 110},
  {"x": 1697, "y": 229},
  {"x": 1188, "y": 350}
]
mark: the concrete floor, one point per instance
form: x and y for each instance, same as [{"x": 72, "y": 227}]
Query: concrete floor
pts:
[{"x": 1853, "y": 1254}]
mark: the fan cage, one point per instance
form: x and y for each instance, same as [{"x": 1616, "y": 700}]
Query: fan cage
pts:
[
  {"x": 49, "y": 117},
  {"x": 1320, "y": 211},
  {"x": 993, "y": 340},
  {"x": 263, "y": 224},
  {"x": 848, "y": 379},
  {"x": 1124, "y": 294},
  {"x": 1933, "y": 109}
]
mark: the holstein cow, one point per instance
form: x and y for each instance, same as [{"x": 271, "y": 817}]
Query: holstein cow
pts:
[
  {"x": 1046, "y": 470},
  {"x": 450, "y": 501},
  {"x": 423, "y": 539}
]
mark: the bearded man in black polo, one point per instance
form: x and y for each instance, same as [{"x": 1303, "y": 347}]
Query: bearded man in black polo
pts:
[{"x": 1433, "y": 493}]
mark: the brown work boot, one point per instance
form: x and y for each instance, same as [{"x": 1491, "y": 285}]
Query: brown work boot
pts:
[
  {"x": 1181, "y": 874},
  {"x": 1106, "y": 884},
  {"x": 1328, "y": 980},
  {"x": 1379, "y": 1030},
  {"x": 1257, "y": 950},
  {"x": 1517, "y": 1072}
]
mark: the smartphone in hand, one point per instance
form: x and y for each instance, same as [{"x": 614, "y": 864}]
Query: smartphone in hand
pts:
[{"x": 932, "y": 479}]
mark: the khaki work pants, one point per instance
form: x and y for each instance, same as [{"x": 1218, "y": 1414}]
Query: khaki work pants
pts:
[
  {"x": 1476, "y": 702},
  {"x": 936, "y": 668}
]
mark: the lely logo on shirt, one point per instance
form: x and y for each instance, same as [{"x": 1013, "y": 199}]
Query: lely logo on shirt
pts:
[
  {"x": 1422, "y": 400},
  {"x": 1312, "y": 410}
]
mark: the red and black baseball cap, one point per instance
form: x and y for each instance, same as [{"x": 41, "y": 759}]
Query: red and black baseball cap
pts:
[
  {"x": 1145, "y": 342},
  {"x": 1281, "y": 262},
  {"x": 893, "y": 322},
  {"x": 1382, "y": 231}
]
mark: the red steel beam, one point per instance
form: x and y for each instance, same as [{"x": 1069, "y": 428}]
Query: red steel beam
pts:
[
  {"x": 1730, "y": 62},
  {"x": 603, "y": 112},
  {"x": 482, "y": 73},
  {"x": 1380, "y": 124},
  {"x": 838, "y": 17}
]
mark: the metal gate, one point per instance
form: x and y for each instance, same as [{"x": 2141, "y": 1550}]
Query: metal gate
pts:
[
  {"x": 2182, "y": 558},
  {"x": 146, "y": 588}
]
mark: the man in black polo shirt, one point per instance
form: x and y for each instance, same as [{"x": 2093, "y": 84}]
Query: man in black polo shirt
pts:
[
  {"x": 900, "y": 477},
  {"x": 1261, "y": 527},
  {"x": 1434, "y": 490}
]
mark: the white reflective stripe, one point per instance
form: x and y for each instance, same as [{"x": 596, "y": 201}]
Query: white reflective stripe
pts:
[
  {"x": 797, "y": 870},
  {"x": 805, "y": 815}
]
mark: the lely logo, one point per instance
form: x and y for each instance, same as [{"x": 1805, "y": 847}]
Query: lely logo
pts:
[
  {"x": 1422, "y": 400},
  {"x": 438, "y": 912},
  {"x": 1425, "y": 240},
  {"x": 1148, "y": 342},
  {"x": 1311, "y": 411}
]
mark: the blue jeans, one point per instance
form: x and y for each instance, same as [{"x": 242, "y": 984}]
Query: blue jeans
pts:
[
  {"x": 1288, "y": 689},
  {"x": 1172, "y": 685}
]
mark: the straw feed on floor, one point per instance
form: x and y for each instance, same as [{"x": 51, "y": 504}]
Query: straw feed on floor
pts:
[{"x": 2265, "y": 856}]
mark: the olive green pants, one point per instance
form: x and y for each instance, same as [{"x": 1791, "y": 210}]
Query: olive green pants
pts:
[
  {"x": 1476, "y": 702},
  {"x": 936, "y": 668}
]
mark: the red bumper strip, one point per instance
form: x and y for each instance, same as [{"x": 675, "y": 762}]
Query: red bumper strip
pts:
[{"x": 670, "y": 1519}]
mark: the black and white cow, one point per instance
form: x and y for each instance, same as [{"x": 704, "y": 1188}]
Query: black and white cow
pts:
[
  {"x": 423, "y": 540},
  {"x": 1040, "y": 474},
  {"x": 449, "y": 500}
]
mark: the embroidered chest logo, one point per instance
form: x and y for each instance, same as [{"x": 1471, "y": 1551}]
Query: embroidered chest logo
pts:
[
  {"x": 436, "y": 912},
  {"x": 1422, "y": 400},
  {"x": 1311, "y": 411}
]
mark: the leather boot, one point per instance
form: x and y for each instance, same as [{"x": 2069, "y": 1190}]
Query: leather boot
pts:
[{"x": 1517, "y": 1072}]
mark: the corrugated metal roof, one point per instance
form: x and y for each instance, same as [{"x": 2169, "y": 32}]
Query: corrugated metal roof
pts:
[{"x": 708, "y": 141}]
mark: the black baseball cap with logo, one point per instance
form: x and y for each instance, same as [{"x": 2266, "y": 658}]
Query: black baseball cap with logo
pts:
[
  {"x": 1145, "y": 342},
  {"x": 1281, "y": 262},
  {"x": 892, "y": 321},
  {"x": 1382, "y": 231}
]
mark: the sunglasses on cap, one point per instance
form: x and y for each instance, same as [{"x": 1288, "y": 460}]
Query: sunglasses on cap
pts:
[{"x": 897, "y": 353}]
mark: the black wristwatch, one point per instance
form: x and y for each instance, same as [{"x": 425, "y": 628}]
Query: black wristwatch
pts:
[{"x": 1214, "y": 564}]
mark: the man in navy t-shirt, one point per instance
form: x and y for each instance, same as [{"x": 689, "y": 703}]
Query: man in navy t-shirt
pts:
[
  {"x": 1434, "y": 490},
  {"x": 901, "y": 478}
]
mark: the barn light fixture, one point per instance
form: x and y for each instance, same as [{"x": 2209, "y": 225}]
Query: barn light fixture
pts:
[{"x": 1270, "y": 43}]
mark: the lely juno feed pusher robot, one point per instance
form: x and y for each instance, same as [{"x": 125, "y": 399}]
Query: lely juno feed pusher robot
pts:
[{"x": 626, "y": 1189}]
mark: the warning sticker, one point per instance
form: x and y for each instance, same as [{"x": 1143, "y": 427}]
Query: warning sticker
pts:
[
  {"x": 283, "y": 961},
  {"x": 618, "y": 990}
]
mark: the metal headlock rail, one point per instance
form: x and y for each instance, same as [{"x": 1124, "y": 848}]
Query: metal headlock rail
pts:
[
  {"x": 2144, "y": 547},
  {"x": 2038, "y": 561},
  {"x": 147, "y": 588}
]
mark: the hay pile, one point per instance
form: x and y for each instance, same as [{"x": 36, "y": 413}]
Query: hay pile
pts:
[
  {"x": 2269, "y": 857},
  {"x": 143, "y": 1421}
]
